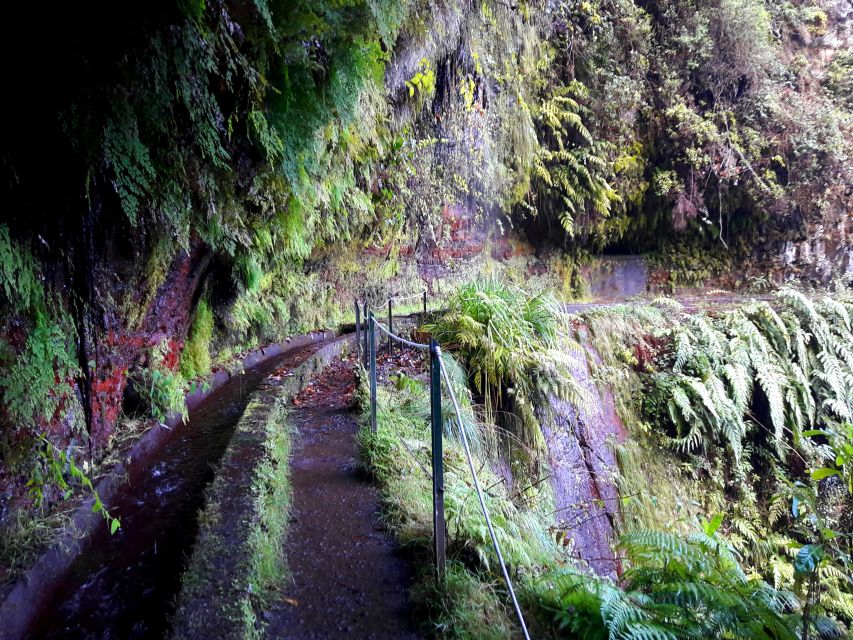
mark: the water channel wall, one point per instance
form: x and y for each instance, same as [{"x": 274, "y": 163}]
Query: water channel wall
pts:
[
  {"x": 241, "y": 528},
  {"x": 37, "y": 585}
]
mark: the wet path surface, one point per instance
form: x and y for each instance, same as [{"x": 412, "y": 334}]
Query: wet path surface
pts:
[
  {"x": 124, "y": 586},
  {"x": 349, "y": 578}
]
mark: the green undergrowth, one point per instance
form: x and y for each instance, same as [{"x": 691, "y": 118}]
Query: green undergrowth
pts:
[
  {"x": 657, "y": 489},
  {"x": 473, "y": 602},
  {"x": 467, "y": 605},
  {"x": 676, "y": 585},
  {"x": 256, "y": 567},
  {"x": 741, "y": 411},
  {"x": 24, "y": 537},
  {"x": 160, "y": 387},
  {"x": 687, "y": 264}
]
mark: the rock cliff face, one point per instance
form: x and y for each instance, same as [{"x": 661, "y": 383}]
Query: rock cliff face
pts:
[
  {"x": 820, "y": 248},
  {"x": 395, "y": 149},
  {"x": 582, "y": 460},
  {"x": 121, "y": 347}
]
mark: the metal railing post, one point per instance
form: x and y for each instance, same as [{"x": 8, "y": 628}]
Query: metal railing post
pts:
[
  {"x": 390, "y": 329},
  {"x": 424, "y": 304},
  {"x": 366, "y": 327},
  {"x": 438, "y": 521},
  {"x": 372, "y": 332},
  {"x": 357, "y": 332}
]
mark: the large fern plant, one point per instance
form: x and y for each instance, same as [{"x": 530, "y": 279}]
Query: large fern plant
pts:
[
  {"x": 796, "y": 352},
  {"x": 510, "y": 344},
  {"x": 570, "y": 170},
  {"x": 674, "y": 588}
]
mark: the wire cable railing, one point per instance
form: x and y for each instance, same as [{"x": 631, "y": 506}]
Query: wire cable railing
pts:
[
  {"x": 480, "y": 495},
  {"x": 408, "y": 343},
  {"x": 371, "y": 305},
  {"x": 438, "y": 372},
  {"x": 390, "y": 304}
]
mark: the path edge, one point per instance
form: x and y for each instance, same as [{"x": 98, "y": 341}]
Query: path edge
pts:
[{"x": 222, "y": 586}]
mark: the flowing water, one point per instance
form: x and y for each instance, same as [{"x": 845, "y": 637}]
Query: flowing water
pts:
[{"x": 124, "y": 586}]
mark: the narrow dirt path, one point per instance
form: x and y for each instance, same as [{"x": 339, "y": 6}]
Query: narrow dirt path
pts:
[{"x": 349, "y": 577}]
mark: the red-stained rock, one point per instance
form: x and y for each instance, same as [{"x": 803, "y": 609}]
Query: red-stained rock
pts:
[
  {"x": 122, "y": 348},
  {"x": 460, "y": 237}
]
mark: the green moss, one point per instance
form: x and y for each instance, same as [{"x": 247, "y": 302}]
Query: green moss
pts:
[
  {"x": 271, "y": 492},
  {"x": 573, "y": 286},
  {"x": 153, "y": 276},
  {"x": 473, "y": 602},
  {"x": 195, "y": 358},
  {"x": 255, "y": 557}
]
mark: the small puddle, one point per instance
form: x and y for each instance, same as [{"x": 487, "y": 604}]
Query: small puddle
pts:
[{"x": 124, "y": 586}]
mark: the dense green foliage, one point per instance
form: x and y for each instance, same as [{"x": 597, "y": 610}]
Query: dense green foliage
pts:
[
  {"x": 511, "y": 346},
  {"x": 287, "y": 137},
  {"x": 765, "y": 390},
  {"x": 689, "y": 116},
  {"x": 737, "y": 577},
  {"x": 470, "y": 604},
  {"x": 676, "y": 587},
  {"x": 751, "y": 400},
  {"x": 796, "y": 352},
  {"x": 575, "y": 175},
  {"x": 195, "y": 358},
  {"x": 253, "y": 131},
  {"x": 276, "y": 159},
  {"x": 28, "y": 380}
]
